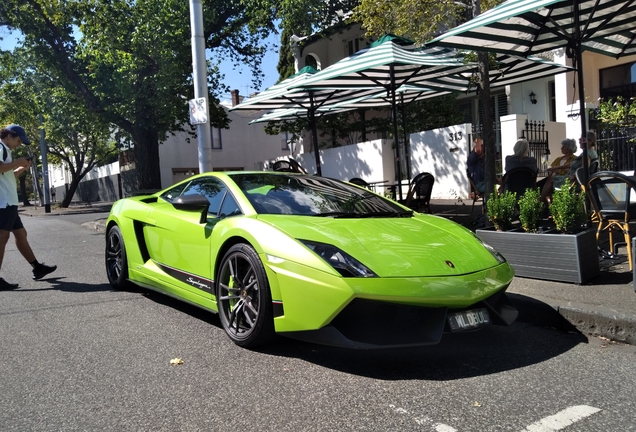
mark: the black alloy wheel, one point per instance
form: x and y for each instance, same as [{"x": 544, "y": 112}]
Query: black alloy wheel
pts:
[
  {"x": 243, "y": 297},
  {"x": 116, "y": 262}
]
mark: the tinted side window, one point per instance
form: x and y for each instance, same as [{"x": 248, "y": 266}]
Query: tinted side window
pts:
[
  {"x": 229, "y": 207},
  {"x": 211, "y": 188},
  {"x": 171, "y": 194}
]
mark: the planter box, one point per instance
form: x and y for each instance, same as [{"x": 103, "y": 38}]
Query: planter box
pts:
[{"x": 549, "y": 256}]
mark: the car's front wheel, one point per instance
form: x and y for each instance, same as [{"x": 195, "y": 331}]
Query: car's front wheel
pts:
[
  {"x": 116, "y": 261},
  {"x": 243, "y": 297}
]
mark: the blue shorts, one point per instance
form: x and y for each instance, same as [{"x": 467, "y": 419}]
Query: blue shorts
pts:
[{"x": 9, "y": 219}]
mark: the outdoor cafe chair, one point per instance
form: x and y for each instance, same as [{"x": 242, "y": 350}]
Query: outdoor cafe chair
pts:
[
  {"x": 289, "y": 165},
  {"x": 419, "y": 195},
  {"x": 359, "y": 182},
  {"x": 610, "y": 196},
  {"x": 475, "y": 193},
  {"x": 517, "y": 180}
]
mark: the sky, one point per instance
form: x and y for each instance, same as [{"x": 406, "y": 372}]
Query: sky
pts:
[{"x": 236, "y": 78}]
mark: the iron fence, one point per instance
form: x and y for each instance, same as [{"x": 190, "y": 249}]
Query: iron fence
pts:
[
  {"x": 537, "y": 137},
  {"x": 616, "y": 148}
]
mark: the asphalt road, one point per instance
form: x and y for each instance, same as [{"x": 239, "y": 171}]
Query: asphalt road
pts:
[{"x": 76, "y": 355}]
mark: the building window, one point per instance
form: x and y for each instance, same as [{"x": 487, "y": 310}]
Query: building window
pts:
[
  {"x": 552, "y": 101},
  {"x": 284, "y": 142},
  {"x": 310, "y": 60},
  {"x": 618, "y": 81},
  {"x": 217, "y": 141},
  {"x": 354, "y": 46}
]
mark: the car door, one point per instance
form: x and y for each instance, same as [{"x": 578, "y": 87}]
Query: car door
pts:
[{"x": 177, "y": 240}]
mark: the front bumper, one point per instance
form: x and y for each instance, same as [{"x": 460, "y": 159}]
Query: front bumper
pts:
[{"x": 369, "y": 324}]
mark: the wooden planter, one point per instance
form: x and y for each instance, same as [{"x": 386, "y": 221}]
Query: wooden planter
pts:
[{"x": 549, "y": 256}]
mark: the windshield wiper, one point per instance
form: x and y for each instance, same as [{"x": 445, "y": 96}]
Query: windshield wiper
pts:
[
  {"x": 395, "y": 214},
  {"x": 340, "y": 214}
]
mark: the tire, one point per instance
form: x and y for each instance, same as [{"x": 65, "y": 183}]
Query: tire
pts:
[
  {"x": 243, "y": 298},
  {"x": 115, "y": 256}
]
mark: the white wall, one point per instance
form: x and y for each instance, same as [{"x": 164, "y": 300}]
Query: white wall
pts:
[
  {"x": 244, "y": 146},
  {"x": 443, "y": 153}
]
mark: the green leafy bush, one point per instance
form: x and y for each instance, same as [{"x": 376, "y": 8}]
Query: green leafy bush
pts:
[
  {"x": 568, "y": 209},
  {"x": 500, "y": 209},
  {"x": 530, "y": 207}
]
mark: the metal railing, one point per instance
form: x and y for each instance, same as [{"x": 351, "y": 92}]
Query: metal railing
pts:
[
  {"x": 537, "y": 137},
  {"x": 616, "y": 148}
]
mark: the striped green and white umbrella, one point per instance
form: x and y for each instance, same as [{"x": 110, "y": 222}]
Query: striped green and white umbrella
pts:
[
  {"x": 387, "y": 64},
  {"x": 395, "y": 65},
  {"x": 526, "y": 27},
  {"x": 280, "y": 96}
]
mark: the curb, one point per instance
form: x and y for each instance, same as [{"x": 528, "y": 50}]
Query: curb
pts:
[{"x": 600, "y": 321}]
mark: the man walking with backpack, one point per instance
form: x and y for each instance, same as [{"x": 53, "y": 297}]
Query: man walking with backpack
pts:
[{"x": 10, "y": 138}]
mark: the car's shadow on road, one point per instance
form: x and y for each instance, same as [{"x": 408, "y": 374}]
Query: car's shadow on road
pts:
[{"x": 539, "y": 334}]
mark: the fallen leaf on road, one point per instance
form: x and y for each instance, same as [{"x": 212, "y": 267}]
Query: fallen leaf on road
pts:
[
  {"x": 477, "y": 404},
  {"x": 176, "y": 361}
]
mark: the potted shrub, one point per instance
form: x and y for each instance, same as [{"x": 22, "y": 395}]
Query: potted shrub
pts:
[
  {"x": 568, "y": 209},
  {"x": 530, "y": 208},
  {"x": 500, "y": 209},
  {"x": 569, "y": 255}
]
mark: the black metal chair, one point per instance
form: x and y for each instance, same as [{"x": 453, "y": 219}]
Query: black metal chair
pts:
[
  {"x": 610, "y": 196},
  {"x": 289, "y": 165},
  {"x": 519, "y": 179},
  {"x": 419, "y": 195},
  {"x": 475, "y": 193},
  {"x": 594, "y": 167},
  {"x": 359, "y": 182}
]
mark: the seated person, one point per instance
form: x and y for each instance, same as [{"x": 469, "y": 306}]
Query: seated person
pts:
[
  {"x": 475, "y": 165},
  {"x": 561, "y": 165},
  {"x": 557, "y": 181},
  {"x": 590, "y": 140},
  {"x": 521, "y": 157}
]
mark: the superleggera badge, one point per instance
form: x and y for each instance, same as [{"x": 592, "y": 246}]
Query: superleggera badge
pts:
[{"x": 450, "y": 264}]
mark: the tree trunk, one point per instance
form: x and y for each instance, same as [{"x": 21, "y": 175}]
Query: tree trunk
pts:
[
  {"x": 23, "y": 190},
  {"x": 147, "y": 167},
  {"x": 70, "y": 192}
]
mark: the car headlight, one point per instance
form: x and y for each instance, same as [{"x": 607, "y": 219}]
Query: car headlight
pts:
[
  {"x": 341, "y": 261},
  {"x": 499, "y": 257}
]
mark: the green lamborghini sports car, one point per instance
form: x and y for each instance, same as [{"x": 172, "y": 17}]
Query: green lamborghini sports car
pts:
[{"x": 309, "y": 258}]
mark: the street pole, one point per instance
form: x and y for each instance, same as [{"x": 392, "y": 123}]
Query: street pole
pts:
[
  {"x": 199, "y": 72},
  {"x": 45, "y": 170}
]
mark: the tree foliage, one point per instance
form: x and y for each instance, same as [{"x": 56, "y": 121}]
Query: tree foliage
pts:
[
  {"x": 616, "y": 112},
  {"x": 130, "y": 63},
  {"x": 416, "y": 19}
]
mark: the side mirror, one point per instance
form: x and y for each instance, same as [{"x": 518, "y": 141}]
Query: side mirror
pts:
[{"x": 194, "y": 202}]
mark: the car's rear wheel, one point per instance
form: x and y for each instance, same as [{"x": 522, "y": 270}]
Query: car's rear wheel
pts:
[
  {"x": 243, "y": 297},
  {"x": 116, "y": 262}
]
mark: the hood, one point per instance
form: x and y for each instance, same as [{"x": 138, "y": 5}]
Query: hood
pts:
[{"x": 419, "y": 246}]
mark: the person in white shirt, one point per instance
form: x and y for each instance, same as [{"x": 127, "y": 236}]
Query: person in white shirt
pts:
[{"x": 10, "y": 138}]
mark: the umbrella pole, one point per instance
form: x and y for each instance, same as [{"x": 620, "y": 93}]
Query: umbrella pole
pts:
[
  {"x": 396, "y": 141},
  {"x": 407, "y": 140},
  {"x": 314, "y": 134},
  {"x": 579, "y": 72}
]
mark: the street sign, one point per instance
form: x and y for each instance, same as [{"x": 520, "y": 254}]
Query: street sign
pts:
[{"x": 198, "y": 111}]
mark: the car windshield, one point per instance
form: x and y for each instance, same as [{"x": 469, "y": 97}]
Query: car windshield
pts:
[{"x": 312, "y": 196}]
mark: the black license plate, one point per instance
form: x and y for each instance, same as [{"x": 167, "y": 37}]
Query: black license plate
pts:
[{"x": 470, "y": 319}]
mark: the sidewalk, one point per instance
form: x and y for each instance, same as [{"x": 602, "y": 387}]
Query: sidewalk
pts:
[{"x": 605, "y": 306}]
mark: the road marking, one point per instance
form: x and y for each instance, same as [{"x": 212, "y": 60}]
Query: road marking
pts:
[
  {"x": 441, "y": 427},
  {"x": 562, "y": 419}
]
